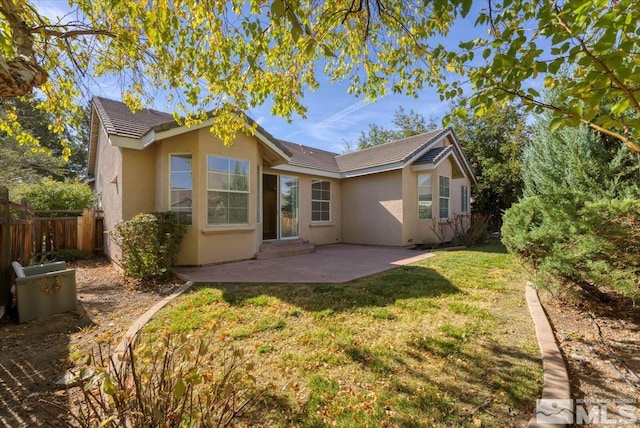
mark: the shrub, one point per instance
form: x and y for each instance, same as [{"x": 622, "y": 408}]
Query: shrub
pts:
[
  {"x": 168, "y": 383},
  {"x": 470, "y": 230},
  {"x": 51, "y": 195},
  {"x": 64, "y": 255},
  {"x": 149, "y": 243},
  {"x": 593, "y": 244},
  {"x": 463, "y": 229}
]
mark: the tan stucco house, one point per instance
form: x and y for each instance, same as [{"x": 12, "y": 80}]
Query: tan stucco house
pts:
[{"x": 265, "y": 190}]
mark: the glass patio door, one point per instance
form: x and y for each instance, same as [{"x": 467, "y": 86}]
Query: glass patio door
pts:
[{"x": 288, "y": 207}]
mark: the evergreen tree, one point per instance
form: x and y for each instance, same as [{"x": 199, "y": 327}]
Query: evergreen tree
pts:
[
  {"x": 24, "y": 163},
  {"x": 493, "y": 144},
  {"x": 579, "y": 219},
  {"x": 405, "y": 125},
  {"x": 577, "y": 161}
]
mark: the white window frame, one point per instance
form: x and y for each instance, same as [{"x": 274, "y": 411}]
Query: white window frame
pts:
[
  {"x": 444, "y": 200},
  {"x": 171, "y": 171},
  {"x": 423, "y": 203},
  {"x": 322, "y": 201},
  {"x": 464, "y": 203},
  {"x": 247, "y": 192}
]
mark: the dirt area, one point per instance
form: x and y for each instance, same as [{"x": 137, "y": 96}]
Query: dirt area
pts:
[
  {"x": 601, "y": 347},
  {"x": 35, "y": 355}
]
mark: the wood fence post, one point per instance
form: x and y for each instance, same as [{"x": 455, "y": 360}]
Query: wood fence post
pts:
[
  {"x": 29, "y": 237},
  {"x": 5, "y": 252},
  {"x": 87, "y": 230}
]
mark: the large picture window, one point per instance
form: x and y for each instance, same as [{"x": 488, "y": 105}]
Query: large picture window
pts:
[
  {"x": 464, "y": 203},
  {"x": 181, "y": 187},
  {"x": 445, "y": 193},
  {"x": 320, "y": 200},
  {"x": 227, "y": 190},
  {"x": 425, "y": 197}
]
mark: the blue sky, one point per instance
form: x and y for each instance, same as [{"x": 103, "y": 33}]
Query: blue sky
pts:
[{"x": 333, "y": 115}]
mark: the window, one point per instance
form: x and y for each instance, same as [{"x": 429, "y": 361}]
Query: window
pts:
[
  {"x": 425, "y": 197},
  {"x": 181, "y": 187},
  {"x": 464, "y": 203},
  {"x": 444, "y": 197},
  {"x": 320, "y": 200},
  {"x": 227, "y": 190}
]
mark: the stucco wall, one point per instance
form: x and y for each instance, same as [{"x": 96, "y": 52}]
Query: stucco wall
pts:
[
  {"x": 224, "y": 243},
  {"x": 410, "y": 233},
  {"x": 424, "y": 233},
  {"x": 319, "y": 233},
  {"x": 108, "y": 186},
  {"x": 138, "y": 181},
  {"x": 183, "y": 144},
  {"x": 372, "y": 209}
]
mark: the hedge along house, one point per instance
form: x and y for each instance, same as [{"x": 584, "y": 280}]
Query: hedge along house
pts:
[{"x": 263, "y": 190}]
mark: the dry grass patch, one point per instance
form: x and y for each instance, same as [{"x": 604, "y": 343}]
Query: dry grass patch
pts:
[{"x": 421, "y": 345}]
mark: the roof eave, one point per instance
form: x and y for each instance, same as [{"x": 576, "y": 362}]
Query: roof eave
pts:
[
  {"x": 307, "y": 170},
  {"x": 94, "y": 124},
  {"x": 463, "y": 158},
  {"x": 373, "y": 170}
]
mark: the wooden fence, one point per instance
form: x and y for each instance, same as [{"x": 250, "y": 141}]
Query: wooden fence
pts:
[{"x": 24, "y": 237}]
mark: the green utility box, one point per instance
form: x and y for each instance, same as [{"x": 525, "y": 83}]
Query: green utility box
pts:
[{"x": 44, "y": 290}]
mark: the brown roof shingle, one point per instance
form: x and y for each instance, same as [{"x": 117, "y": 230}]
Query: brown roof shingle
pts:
[
  {"x": 386, "y": 154},
  {"x": 119, "y": 120},
  {"x": 310, "y": 157},
  {"x": 433, "y": 155}
]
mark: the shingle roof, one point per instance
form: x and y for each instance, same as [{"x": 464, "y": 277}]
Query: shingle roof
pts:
[
  {"x": 433, "y": 155},
  {"x": 119, "y": 120},
  {"x": 385, "y": 154},
  {"x": 310, "y": 157}
]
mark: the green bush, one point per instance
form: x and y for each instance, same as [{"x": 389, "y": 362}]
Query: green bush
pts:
[
  {"x": 149, "y": 243},
  {"x": 51, "y": 195},
  {"x": 590, "y": 243}
]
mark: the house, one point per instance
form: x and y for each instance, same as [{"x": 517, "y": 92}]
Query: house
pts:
[{"x": 263, "y": 189}]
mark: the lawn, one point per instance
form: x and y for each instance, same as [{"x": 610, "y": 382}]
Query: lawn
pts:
[{"x": 421, "y": 345}]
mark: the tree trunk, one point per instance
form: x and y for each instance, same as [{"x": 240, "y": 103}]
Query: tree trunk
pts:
[{"x": 20, "y": 76}]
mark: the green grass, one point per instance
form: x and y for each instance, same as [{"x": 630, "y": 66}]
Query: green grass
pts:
[{"x": 421, "y": 345}]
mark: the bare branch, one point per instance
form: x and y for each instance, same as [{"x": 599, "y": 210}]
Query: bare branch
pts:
[{"x": 49, "y": 31}]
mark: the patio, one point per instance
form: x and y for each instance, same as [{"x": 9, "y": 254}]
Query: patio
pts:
[{"x": 334, "y": 263}]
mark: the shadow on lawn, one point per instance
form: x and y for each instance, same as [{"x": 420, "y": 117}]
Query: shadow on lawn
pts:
[
  {"x": 474, "y": 373},
  {"x": 406, "y": 282}
]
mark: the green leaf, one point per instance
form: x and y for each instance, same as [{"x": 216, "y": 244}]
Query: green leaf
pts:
[
  {"x": 277, "y": 9},
  {"x": 556, "y": 123},
  {"x": 107, "y": 386},
  {"x": 328, "y": 52},
  {"x": 179, "y": 389}
]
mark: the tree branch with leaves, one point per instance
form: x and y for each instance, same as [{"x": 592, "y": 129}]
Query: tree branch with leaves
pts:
[{"x": 231, "y": 56}]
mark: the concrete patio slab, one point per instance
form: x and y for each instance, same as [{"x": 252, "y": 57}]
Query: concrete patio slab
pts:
[{"x": 334, "y": 263}]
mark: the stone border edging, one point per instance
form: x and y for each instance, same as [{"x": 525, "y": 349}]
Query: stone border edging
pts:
[
  {"x": 555, "y": 380},
  {"x": 119, "y": 353}
]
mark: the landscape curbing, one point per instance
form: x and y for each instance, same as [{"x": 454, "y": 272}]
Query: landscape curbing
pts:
[
  {"x": 556, "y": 380},
  {"x": 118, "y": 355}
]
